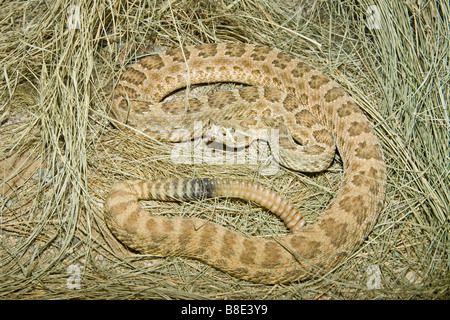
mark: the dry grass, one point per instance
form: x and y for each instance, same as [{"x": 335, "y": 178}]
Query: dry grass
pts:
[{"x": 59, "y": 155}]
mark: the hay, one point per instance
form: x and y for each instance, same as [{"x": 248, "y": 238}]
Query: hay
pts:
[{"x": 59, "y": 155}]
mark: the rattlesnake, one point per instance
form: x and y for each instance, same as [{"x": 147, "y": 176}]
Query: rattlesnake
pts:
[{"x": 306, "y": 95}]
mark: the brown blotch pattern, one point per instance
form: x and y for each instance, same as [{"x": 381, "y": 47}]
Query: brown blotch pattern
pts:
[
  {"x": 333, "y": 94},
  {"x": 304, "y": 99},
  {"x": 316, "y": 108},
  {"x": 177, "y": 55},
  {"x": 172, "y": 107},
  {"x": 256, "y": 73},
  {"x": 237, "y": 69},
  {"x": 125, "y": 91},
  {"x": 248, "y": 254},
  {"x": 208, "y": 231},
  {"x": 151, "y": 226},
  {"x": 228, "y": 243},
  {"x": 366, "y": 178},
  {"x": 305, "y": 118},
  {"x": 266, "y": 112},
  {"x": 307, "y": 248},
  {"x": 270, "y": 122},
  {"x": 195, "y": 105},
  {"x": 139, "y": 107},
  {"x": 356, "y": 128},
  {"x": 123, "y": 105},
  {"x": 358, "y": 202},
  {"x": 300, "y": 70},
  {"x": 367, "y": 151},
  {"x": 152, "y": 63},
  {"x": 200, "y": 252},
  {"x": 169, "y": 80},
  {"x": 172, "y": 69},
  {"x": 282, "y": 60},
  {"x": 272, "y": 255},
  {"x": 186, "y": 234},
  {"x": 349, "y": 203},
  {"x": 260, "y": 53},
  {"x": 130, "y": 223},
  {"x": 134, "y": 76},
  {"x": 292, "y": 90},
  {"x": 158, "y": 237},
  {"x": 290, "y": 103},
  {"x": 347, "y": 109},
  {"x": 249, "y": 94},
  {"x": 337, "y": 231},
  {"x": 250, "y": 119},
  {"x": 220, "y": 100},
  {"x": 168, "y": 225},
  {"x": 317, "y": 81},
  {"x": 323, "y": 136},
  {"x": 276, "y": 81},
  {"x": 234, "y": 51},
  {"x": 272, "y": 94},
  {"x": 207, "y": 50},
  {"x": 314, "y": 150}
]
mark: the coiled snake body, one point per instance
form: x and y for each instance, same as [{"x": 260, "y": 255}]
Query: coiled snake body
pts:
[{"x": 289, "y": 95}]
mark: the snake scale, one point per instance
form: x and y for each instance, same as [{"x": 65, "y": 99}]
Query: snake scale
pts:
[{"x": 305, "y": 105}]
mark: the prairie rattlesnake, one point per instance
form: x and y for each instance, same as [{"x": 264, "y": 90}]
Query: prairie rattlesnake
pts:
[{"x": 306, "y": 95}]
